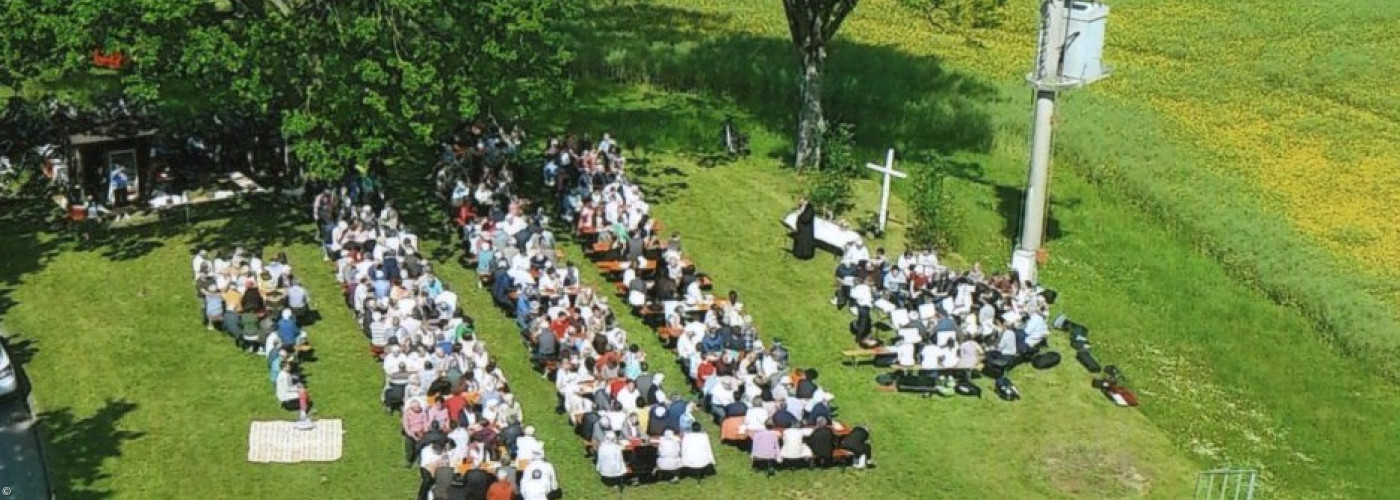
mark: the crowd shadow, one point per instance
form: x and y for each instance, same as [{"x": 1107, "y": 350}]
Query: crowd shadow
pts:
[
  {"x": 77, "y": 447},
  {"x": 894, "y": 98}
]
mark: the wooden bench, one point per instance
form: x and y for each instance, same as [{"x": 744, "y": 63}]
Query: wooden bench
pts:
[
  {"x": 852, "y": 357},
  {"x": 615, "y": 267},
  {"x": 600, "y": 247},
  {"x": 669, "y": 332}
]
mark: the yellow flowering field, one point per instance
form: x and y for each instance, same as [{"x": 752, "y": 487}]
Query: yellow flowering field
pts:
[{"x": 1299, "y": 100}]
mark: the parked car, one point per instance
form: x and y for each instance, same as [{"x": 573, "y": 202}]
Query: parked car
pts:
[
  {"x": 12, "y": 385},
  {"x": 24, "y": 472}
]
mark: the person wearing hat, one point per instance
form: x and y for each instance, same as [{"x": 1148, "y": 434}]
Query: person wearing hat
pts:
[
  {"x": 287, "y": 329},
  {"x": 610, "y": 463},
  {"x": 658, "y": 420},
  {"x": 538, "y": 480},
  {"x": 527, "y": 445},
  {"x": 668, "y": 456}
]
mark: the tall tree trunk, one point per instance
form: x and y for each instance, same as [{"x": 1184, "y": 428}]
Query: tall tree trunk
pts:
[{"x": 811, "y": 126}]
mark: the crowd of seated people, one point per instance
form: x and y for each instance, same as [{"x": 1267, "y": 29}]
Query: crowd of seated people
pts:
[
  {"x": 945, "y": 322},
  {"x": 262, "y": 307},
  {"x": 715, "y": 342},
  {"x": 462, "y": 427},
  {"x": 604, "y": 384}
]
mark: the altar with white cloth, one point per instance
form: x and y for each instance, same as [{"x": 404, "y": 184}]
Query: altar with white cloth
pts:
[{"x": 830, "y": 234}]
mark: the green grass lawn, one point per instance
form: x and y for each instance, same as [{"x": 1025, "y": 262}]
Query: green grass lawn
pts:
[{"x": 140, "y": 402}]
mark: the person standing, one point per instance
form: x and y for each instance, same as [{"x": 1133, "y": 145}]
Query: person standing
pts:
[{"x": 804, "y": 237}]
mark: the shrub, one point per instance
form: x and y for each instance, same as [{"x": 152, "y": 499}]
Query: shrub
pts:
[
  {"x": 830, "y": 188},
  {"x": 936, "y": 218}
]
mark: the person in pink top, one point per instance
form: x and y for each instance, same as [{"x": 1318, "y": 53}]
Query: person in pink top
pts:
[
  {"x": 438, "y": 413},
  {"x": 764, "y": 443},
  {"x": 415, "y": 423}
]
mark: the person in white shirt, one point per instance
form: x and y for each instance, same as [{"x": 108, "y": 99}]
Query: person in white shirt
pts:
[
  {"x": 862, "y": 294},
  {"x": 855, "y": 252},
  {"x": 668, "y": 455},
  {"x": 610, "y": 464},
  {"x": 528, "y": 445},
  {"x": 394, "y": 360},
  {"x": 199, "y": 261},
  {"x": 928, "y": 357},
  {"x": 757, "y": 416},
  {"x": 721, "y": 395},
  {"x": 429, "y": 460},
  {"x": 696, "y": 455},
  {"x": 537, "y": 481},
  {"x": 446, "y": 302},
  {"x": 904, "y": 353},
  {"x": 459, "y": 437},
  {"x": 1036, "y": 329},
  {"x": 794, "y": 447}
]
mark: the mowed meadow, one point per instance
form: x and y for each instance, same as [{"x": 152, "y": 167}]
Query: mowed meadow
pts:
[
  {"x": 1258, "y": 139},
  {"x": 1219, "y": 218}
]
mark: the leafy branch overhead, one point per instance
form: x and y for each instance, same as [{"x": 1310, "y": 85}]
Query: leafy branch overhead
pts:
[{"x": 346, "y": 80}]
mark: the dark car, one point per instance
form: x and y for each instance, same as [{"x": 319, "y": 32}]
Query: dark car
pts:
[{"x": 24, "y": 473}]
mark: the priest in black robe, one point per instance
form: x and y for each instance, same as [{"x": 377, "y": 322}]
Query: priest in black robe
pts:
[{"x": 804, "y": 238}]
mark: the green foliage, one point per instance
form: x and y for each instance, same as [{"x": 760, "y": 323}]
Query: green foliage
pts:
[
  {"x": 966, "y": 17},
  {"x": 348, "y": 80},
  {"x": 839, "y": 151},
  {"x": 830, "y": 186},
  {"x": 936, "y": 218}
]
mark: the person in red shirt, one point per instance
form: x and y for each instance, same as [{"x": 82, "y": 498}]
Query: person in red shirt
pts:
[
  {"x": 560, "y": 326},
  {"x": 706, "y": 370},
  {"x": 616, "y": 385},
  {"x": 502, "y": 489},
  {"x": 919, "y": 281},
  {"x": 455, "y": 404}
]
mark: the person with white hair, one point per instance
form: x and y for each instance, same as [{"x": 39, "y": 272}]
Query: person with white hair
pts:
[
  {"x": 668, "y": 456},
  {"x": 610, "y": 463},
  {"x": 394, "y": 360},
  {"x": 504, "y": 486},
  {"x": 528, "y": 446}
]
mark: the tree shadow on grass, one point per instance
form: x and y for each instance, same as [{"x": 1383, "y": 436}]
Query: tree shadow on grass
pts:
[
  {"x": 263, "y": 225},
  {"x": 24, "y": 249},
  {"x": 1011, "y": 201},
  {"x": 77, "y": 447},
  {"x": 894, "y": 98}
]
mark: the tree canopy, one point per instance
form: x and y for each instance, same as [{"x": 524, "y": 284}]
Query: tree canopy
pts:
[{"x": 346, "y": 80}]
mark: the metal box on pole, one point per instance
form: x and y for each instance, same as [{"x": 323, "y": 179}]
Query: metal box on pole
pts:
[{"x": 1083, "y": 52}]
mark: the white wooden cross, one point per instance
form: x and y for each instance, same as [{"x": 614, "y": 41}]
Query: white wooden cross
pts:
[{"x": 888, "y": 170}]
